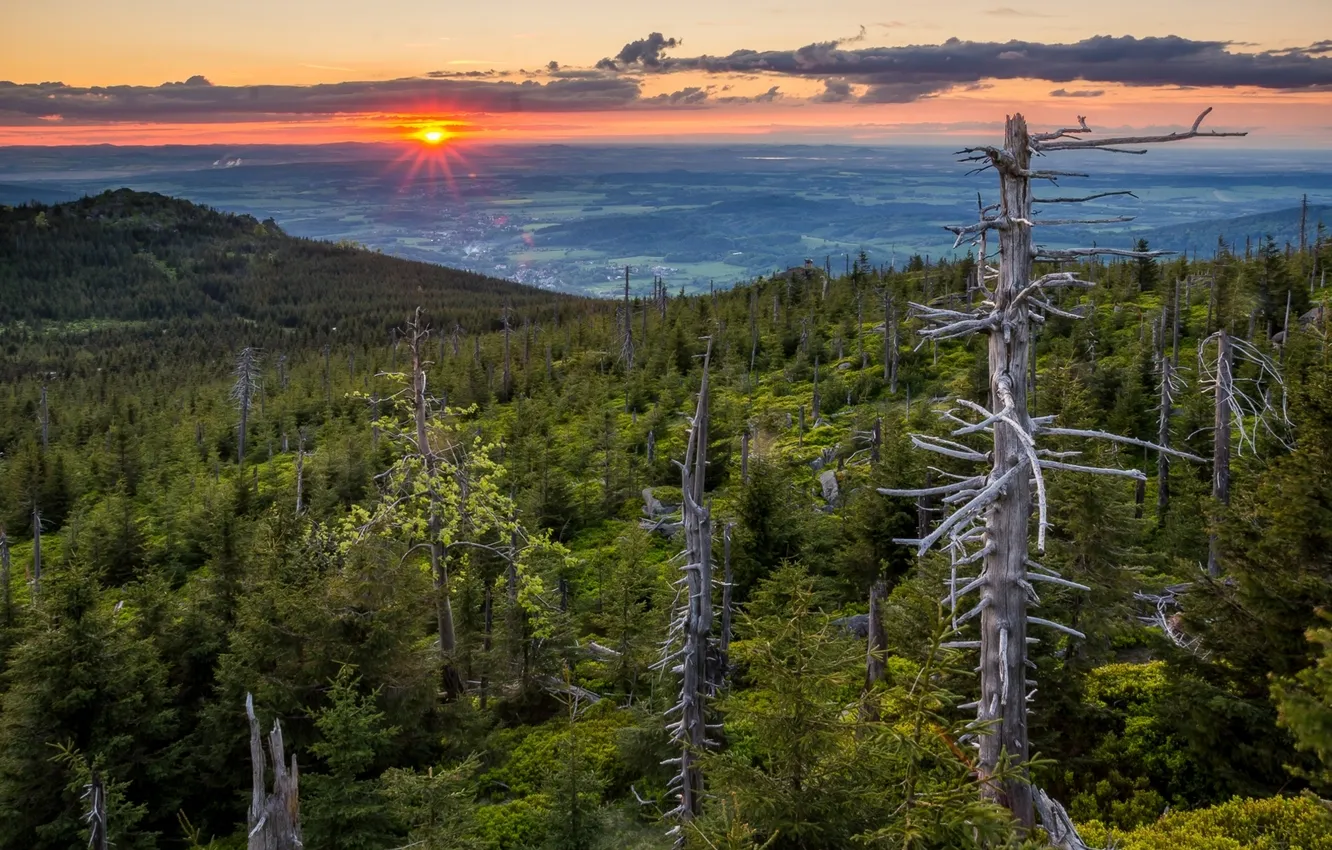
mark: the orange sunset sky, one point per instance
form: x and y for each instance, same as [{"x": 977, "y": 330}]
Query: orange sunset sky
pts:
[{"x": 158, "y": 71}]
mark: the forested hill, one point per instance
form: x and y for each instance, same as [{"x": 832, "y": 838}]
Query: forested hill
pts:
[
  {"x": 432, "y": 558},
  {"x": 126, "y": 260}
]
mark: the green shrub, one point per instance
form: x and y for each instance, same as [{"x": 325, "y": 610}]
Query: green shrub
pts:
[
  {"x": 1275, "y": 823},
  {"x": 514, "y": 825}
]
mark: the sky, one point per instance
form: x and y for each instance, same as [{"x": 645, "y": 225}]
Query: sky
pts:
[{"x": 868, "y": 71}]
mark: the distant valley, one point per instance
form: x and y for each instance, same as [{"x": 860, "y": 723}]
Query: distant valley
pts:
[{"x": 571, "y": 217}]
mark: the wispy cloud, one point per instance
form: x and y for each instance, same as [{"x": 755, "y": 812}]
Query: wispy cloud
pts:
[
  {"x": 202, "y": 101},
  {"x": 1077, "y": 93},
  {"x": 1010, "y": 12}
]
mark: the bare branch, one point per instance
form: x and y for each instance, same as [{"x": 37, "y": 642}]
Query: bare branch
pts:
[
  {"x": 1135, "y": 474},
  {"x": 1087, "y": 144},
  {"x": 1084, "y": 199},
  {"x": 1040, "y": 253},
  {"x": 1116, "y": 438}
]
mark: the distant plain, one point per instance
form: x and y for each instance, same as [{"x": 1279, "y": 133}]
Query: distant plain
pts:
[{"x": 572, "y": 217}]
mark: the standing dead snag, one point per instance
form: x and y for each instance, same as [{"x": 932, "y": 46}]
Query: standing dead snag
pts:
[
  {"x": 6, "y": 599},
  {"x": 1241, "y": 404},
  {"x": 243, "y": 393},
  {"x": 95, "y": 793},
  {"x": 452, "y": 680},
  {"x": 274, "y": 819},
  {"x": 689, "y": 650},
  {"x": 990, "y": 525}
]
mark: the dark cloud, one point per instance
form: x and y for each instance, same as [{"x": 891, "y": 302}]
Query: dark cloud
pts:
[
  {"x": 835, "y": 91},
  {"x": 899, "y": 92},
  {"x": 22, "y": 104},
  {"x": 768, "y": 96},
  {"x": 896, "y": 74},
  {"x": 1316, "y": 49},
  {"x": 1077, "y": 93},
  {"x": 196, "y": 80},
  {"x": 465, "y": 75},
  {"x": 693, "y": 95},
  {"x": 646, "y": 52}
]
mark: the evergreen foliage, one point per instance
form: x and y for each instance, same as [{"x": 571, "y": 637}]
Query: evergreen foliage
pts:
[{"x": 174, "y": 580}]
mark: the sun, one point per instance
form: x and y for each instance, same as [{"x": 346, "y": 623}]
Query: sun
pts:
[{"x": 433, "y": 137}]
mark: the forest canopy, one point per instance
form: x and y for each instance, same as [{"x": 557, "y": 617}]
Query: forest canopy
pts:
[{"x": 432, "y": 525}]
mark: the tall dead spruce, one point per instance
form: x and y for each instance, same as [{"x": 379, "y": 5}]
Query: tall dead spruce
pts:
[
  {"x": 990, "y": 525},
  {"x": 689, "y": 651}
]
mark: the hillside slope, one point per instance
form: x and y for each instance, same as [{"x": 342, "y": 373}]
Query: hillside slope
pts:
[{"x": 126, "y": 256}]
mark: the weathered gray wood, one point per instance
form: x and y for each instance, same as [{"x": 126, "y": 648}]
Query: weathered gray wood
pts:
[
  {"x": 728, "y": 580},
  {"x": 300, "y": 470},
  {"x": 877, "y": 640},
  {"x": 1225, "y": 387},
  {"x": 36, "y": 554},
  {"x": 6, "y": 597},
  {"x": 1163, "y": 439},
  {"x": 692, "y": 629},
  {"x": 243, "y": 393},
  {"x": 1004, "y": 620},
  {"x": 95, "y": 793},
  {"x": 45, "y": 416},
  {"x": 274, "y": 818},
  {"x": 450, "y": 679}
]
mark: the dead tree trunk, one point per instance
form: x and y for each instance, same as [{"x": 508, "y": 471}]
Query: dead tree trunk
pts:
[
  {"x": 691, "y": 631},
  {"x": 1163, "y": 439},
  {"x": 1004, "y": 620},
  {"x": 451, "y": 681},
  {"x": 95, "y": 794},
  {"x": 992, "y": 526},
  {"x": 6, "y": 596},
  {"x": 744, "y": 456},
  {"x": 274, "y": 818},
  {"x": 300, "y": 471},
  {"x": 1225, "y": 388},
  {"x": 508, "y": 360},
  {"x": 46, "y": 422},
  {"x": 628, "y": 325},
  {"x": 876, "y": 649},
  {"x": 243, "y": 392},
  {"x": 728, "y": 580},
  {"x": 36, "y": 554}
]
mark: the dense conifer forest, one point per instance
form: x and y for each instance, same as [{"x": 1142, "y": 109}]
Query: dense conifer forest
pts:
[{"x": 445, "y": 533}]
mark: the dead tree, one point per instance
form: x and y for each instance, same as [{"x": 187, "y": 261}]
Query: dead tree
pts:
[
  {"x": 890, "y": 340},
  {"x": 728, "y": 582},
  {"x": 328, "y": 376},
  {"x": 508, "y": 367},
  {"x": 627, "y": 343},
  {"x": 744, "y": 456},
  {"x": 990, "y": 525},
  {"x": 452, "y": 681},
  {"x": 6, "y": 599},
  {"x": 300, "y": 470},
  {"x": 753, "y": 330},
  {"x": 243, "y": 392},
  {"x": 36, "y": 554},
  {"x": 274, "y": 818},
  {"x": 45, "y": 416},
  {"x": 689, "y": 647},
  {"x": 876, "y": 649},
  {"x": 1170, "y": 386},
  {"x": 95, "y": 793},
  {"x": 1242, "y": 408}
]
